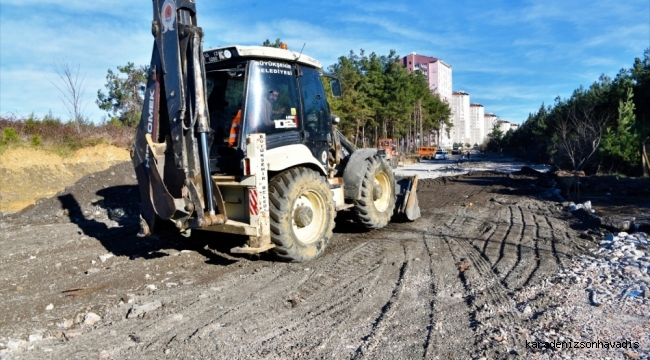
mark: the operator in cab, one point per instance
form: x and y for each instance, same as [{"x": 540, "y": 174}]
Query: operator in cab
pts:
[{"x": 261, "y": 119}]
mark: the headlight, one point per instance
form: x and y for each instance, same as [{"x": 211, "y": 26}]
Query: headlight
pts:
[{"x": 227, "y": 54}]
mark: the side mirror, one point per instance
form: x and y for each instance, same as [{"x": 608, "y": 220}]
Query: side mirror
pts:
[{"x": 335, "y": 84}]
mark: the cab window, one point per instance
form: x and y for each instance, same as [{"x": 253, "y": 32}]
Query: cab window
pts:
[
  {"x": 225, "y": 94},
  {"x": 272, "y": 100},
  {"x": 316, "y": 110}
]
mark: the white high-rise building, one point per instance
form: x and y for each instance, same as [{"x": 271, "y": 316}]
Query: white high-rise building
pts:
[
  {"x": 477, "y": 124},
  {"x": 505, "y": 126},
  {"x": 460, "y": 118},
  {"x": 490, "y": 121}
]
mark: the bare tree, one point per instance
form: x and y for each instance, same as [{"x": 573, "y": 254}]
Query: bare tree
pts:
[
  {"x": 580, "y": 132},
  {"x": 72, "y": 87}
]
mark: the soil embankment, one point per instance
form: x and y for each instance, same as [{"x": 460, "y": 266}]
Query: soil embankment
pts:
[{"x": 29, "y": 174}]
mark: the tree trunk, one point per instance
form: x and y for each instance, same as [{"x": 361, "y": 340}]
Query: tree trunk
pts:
[
  {"x": 644, "y": 159},
  {"x": 356, "y": 136}
]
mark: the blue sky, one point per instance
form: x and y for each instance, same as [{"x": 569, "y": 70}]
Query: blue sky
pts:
[{"x": 509, "y": 56}]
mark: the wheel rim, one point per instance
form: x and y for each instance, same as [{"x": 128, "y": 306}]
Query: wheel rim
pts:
[
  {"x": 383, "y": 182},
  {"x": 311, "y": 232}
]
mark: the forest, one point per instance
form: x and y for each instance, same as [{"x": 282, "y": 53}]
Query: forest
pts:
[
  {"x": 381, "y": 99},
  {"x": 602, "y": 129}
]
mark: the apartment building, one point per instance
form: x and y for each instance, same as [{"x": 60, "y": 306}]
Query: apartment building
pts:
[
  {"x": 436, "y": 71},
  {"x": 490, "y": 120},
  {"x": 476, "y": 123},
  {"x": 460, "y": 118}
]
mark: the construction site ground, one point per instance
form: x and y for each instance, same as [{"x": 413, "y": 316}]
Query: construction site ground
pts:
[{"x": 475, "y": 277}]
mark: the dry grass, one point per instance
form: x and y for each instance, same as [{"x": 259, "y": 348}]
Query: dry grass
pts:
[{"x": 51, "y": 134}]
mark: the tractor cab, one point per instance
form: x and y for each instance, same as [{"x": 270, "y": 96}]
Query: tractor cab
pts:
[{"x": 277, "y": 92}]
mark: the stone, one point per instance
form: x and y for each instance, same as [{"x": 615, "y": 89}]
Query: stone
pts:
[
  {"x": 91, "y": 318},
  {"x": 143, "y": 309},
  {"x": 92, "y": 271},
  {"x": 35, "y": 337},
  {"x": 15, "y": 344},
  {"x": 49, "y": 307},
  {"x": 65, "y": 324},
  {"x": 632, "y": 271},
  {"x": 71, "y": 334},
  {"x": 105, "y": 257},
  {"x": 616, "y": 223}
]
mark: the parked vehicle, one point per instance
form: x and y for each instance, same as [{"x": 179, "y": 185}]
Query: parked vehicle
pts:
[
  {"x": 441, "y": 154},
  {"x": 426, "y": 152}
]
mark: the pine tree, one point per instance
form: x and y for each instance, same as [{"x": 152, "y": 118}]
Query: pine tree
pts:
[{"x": 622, "y": 144}]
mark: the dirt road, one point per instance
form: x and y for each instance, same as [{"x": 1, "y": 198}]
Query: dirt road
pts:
[{"x": 467, "y": 280}]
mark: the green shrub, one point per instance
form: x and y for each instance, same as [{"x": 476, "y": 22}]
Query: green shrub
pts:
[
  {"x": 9, "y": 136},
  {"x": 50, "y": 120},
  {"x": 36, "y": 140}
]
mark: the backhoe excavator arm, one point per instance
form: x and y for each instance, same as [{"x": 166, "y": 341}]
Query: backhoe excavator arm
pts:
[{"x": 170, "y": 153}]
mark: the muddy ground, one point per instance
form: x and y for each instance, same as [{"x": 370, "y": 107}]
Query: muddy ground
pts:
[{"x": 470, "y": 279}]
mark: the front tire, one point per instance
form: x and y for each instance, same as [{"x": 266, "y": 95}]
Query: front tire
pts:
[
  {"x": 375, "y": 207},
  {"x": 302, "y": 214}
]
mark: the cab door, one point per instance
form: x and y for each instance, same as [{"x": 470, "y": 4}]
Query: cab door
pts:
[{"x": 316, "y": 114}]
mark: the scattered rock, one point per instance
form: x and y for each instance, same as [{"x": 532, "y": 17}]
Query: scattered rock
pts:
[
  {"x": 65, "y": 324},
  {"x": 105, "y": 257},
  {"x": 71, "y": 334},
  {"x": 15, "y": 344},
  {"x": 91, "y": 318},
  {"x": 135, "y": 338},
  {"x": 616, "y": 223},
  {"x": 35, "y": 337},
  {"x": 137, "y": 311},
  {"x": 92, "y": 271}
]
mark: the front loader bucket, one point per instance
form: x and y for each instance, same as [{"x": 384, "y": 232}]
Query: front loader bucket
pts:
[{"x": 406, "y": 204}]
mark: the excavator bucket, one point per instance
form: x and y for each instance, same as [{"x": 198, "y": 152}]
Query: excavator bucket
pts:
[{"x": 406, "y": 205}]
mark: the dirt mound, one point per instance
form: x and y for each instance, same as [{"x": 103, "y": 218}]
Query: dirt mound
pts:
[
  {"x": 29, "y": 174},
  {"x": 109, "y": 194}
]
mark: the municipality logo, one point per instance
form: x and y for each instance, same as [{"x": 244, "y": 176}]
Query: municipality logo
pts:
[{"x": 168, "y": 15}]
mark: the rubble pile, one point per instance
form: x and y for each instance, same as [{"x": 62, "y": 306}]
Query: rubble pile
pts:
[
  {"x": 601, "y": 306},
  {"x": 618, "y": 270}
]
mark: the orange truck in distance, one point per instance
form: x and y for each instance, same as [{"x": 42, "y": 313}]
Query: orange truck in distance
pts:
[{"x": 427, "y": 152}]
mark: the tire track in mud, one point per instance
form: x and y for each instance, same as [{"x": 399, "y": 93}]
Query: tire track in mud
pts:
[
  {"x": 414, "y": 316},
  {"x": 492, "y": 250},
  {"x": 508, "y": 251},
  {"x": 557, "y": 248},
  {"x": 452, "y": 315},
  {"x": 525, "y": 252},
  {"x": 335, "y": 310},
  {"x": 388, "y": 312},
  {"x": 492, "y": 310}
]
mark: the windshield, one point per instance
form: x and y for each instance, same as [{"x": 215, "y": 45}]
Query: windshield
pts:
[{"x": 272, "y": 100}]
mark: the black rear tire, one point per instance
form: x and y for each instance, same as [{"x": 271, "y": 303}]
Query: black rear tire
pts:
[
  {"x": 302, "y": 214},
  {"x": 375, "y": 207}
]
